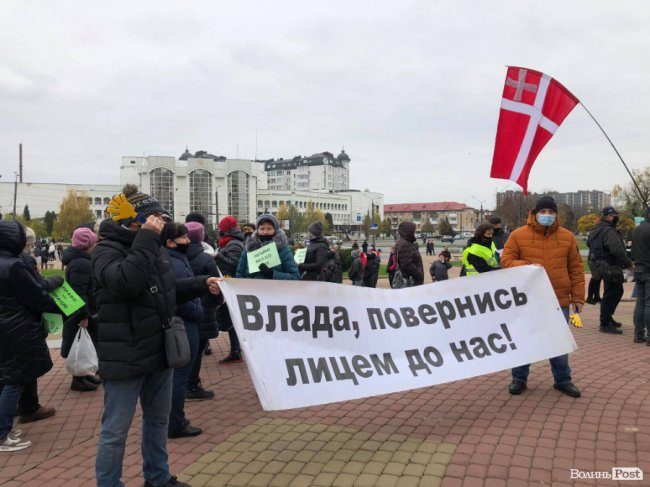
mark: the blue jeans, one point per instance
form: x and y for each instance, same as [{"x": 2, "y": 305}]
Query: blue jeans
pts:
[
  {"x": 177, "y": 419},
  {"x": 9, "y": 397},
  {"x": 120, "y": 399},
  {"x": 559, "y": 365},
  {"x": 642, "y": 306}
]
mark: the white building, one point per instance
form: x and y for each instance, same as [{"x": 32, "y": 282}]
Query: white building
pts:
[
  {"x": 320, "y": 171},
  {"x": 44, "y": 197}
]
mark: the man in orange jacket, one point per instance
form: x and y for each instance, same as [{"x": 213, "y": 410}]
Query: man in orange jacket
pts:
[{"x": 543, "y": 242}]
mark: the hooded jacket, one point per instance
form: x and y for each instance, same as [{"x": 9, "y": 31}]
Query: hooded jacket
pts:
[
  {"x": 409, "y": 259},
  {"x": 287, "y": 270},
  {"x": 78, "y": 273},
  {"x": 606, "y": 245},
  {"x": 24, "y": 355},
  {"x": 355, "y": 273},
  {"x": 227, "y": 258},
  {"x": 315, "y": 259},
  {"x": 641, "y": 246},
  {"x": 371, "y": 272},
  {"x": 203, "y": 264},
  {"x": 556, "y": 249},
  {"x": 133, "y": 276}
]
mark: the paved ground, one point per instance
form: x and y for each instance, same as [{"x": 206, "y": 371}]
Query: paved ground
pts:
[{"x": 464, "y": 433}]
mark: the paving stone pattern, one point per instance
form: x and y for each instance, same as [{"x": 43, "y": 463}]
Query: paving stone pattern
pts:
[{"x": 470, "y": 432}]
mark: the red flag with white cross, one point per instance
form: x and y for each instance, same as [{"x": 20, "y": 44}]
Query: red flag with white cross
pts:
[{"x": 532, "y": 108}]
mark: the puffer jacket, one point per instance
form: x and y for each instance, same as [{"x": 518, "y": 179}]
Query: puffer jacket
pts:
[
  {"x": 287, "y": 270},
  {"x": 78, "y": 273},
  {"x": 409, "y": 259},
  {"x": 191, "y": 311},
  {"x": 203, "y": 264},
  {"x": 126, "y": 267},
  {"x": 227, "y": 258},
  {"x": 24, "y": 355},
  {"x": 556, "y": 249},
  {"x": 315, "y": 259}
]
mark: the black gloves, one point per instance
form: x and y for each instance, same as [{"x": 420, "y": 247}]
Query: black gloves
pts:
[
  {"x": 301, "y": 267},
  {"x": 52, "y": 283},
  {"x": 266, "y": 272}
]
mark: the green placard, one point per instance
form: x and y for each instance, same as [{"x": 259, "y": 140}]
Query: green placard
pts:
[
  {"x": 66, "y": 299},
  {"x": 300, "y": 255},
  {"x": 54, "y": 322},
  {"x": 266, "y": 255}
]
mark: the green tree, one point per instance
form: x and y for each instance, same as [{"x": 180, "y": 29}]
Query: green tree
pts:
[
  {"x": 386, "y": 227},
  {"x": 427, "y": 227},
  {"x": 26, "y": 214},
  {"x": 74, "y": 210},
  {"x": 49, "y": 219},
  {"x": 365, "y": 225},
  {"x": 313, "y": 214},
  {"x": 633, "y": 203},
  {"x": 625, "y": 225},
  {"x": 36, "y": 224},
  {"x": 444, "y": 227},
  {"x": 283, "y": 214},
  {"x": 328, "y": 223},
  {"x": 587, "y": 222}
]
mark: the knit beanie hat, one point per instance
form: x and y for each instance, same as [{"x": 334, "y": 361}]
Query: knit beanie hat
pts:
[
  {"x": 316, "y": 228},
  {"x": 195, "y": 216},
  {"x": 268, "y": 218},
  {"x": 546, "y": 203},
  {"x": 227, "y": 223},
  {"x": 195, "y": 231},
  {"x": 83, "y": 238},
  {"x": 143, "y": 203}
]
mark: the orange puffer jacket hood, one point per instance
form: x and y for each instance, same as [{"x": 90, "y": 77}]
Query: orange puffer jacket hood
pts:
[{"x": 556, "y": 249}]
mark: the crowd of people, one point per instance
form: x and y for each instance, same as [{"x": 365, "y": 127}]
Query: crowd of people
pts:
[{"x": 136, "y": 275}]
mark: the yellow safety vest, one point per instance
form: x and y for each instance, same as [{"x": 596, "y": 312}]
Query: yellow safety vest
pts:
[{"x": 491, "y": 256}]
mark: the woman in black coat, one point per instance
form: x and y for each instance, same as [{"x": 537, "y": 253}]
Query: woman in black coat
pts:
[
  {"x": 202, "y": 264},
  {"x": 317, "y": 253},
  {"x": 24, "y": 355},
  {"x": 78, "y": 273}
]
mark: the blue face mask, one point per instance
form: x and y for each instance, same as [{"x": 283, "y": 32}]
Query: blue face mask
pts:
[{"x": 545, "y": 220}]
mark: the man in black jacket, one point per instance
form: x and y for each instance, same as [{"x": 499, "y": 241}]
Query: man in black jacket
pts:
[
  {"x": 317, "y": 252},
  {"x": 607, "y": 254},
  {"x": 129, "y": 269},
  {"x": 409, "y": 259},
  {"x": 641, "y": 258},
  {"x": 499, "y": 235}
]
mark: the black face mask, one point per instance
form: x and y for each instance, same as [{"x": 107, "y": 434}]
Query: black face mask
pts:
[
  {"x": 182, "y": 248},
  {"x": 265, "y": 238},
  {"x": 487, "y": 241}
]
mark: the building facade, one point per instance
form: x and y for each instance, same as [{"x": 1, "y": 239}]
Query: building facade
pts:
[
  {"x": 318, "y": 172},
  {"x": 461, "y": 217},
  {"x": 581, "y": 202}
]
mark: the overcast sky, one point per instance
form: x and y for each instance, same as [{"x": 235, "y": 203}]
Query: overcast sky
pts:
[{"x": 411, "y": 89}]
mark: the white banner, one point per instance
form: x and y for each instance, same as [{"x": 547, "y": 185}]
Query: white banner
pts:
[{"x": 308, "y": 343}]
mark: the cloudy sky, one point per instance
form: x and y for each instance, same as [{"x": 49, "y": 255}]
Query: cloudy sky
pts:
[{"x": 411, "y": 88}]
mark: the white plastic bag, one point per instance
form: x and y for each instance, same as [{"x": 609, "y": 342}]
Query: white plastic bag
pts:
[{"x": 82, "y": 359}]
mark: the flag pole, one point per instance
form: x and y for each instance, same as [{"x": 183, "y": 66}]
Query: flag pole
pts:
[{"x": 617, "y": 153}]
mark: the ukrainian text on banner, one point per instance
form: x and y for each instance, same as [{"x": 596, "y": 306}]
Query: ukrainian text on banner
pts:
[{"x": 309, "y": 343}]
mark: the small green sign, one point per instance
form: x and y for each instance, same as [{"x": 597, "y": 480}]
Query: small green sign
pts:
[
  {"x": 54, "y": 322},
  {"x": 66, "y": 299},
  {"x": 266, "y": 255},
  {"x": 300, "y": 255}
]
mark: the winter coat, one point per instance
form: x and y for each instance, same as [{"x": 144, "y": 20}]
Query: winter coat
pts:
[
  {"x": 203, "y": 264},
  {"x": 477, "y": 263},
  {"x": 287, "y": 270},
  {"x": 227, "y": 259},
  {"x": 409, "y": 259},
  {"x": 500, "y": 237},
  {"x": 78, "y": 273},
  {"x": 606, "y": 245},
  {"x": 133, "y": 276},
  {"x": 439, "y": 270},
  {"x": 191, "y": 310},
  {"x": 556, "y": 249},
  {"x": 315, "y": 259},
  {"x": 371, "y": 272},
  {"x": 24, "y": 355},
  {"x": 356, "y": 269},
  {"x": 641, "y": 247},
  {"x": 338, "y": 267}
]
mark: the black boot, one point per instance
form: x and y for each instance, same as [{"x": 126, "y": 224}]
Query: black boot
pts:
[
  {"x": 569, "y": 389},
  {"x": 611, "y": 329},
  {"x": 517, "y": 387},
  {"x": 207, "y": 350},
  {"x": 80, "y": 384}
]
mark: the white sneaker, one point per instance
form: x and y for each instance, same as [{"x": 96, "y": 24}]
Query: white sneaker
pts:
[
  {"x": 15, "y": 434},
  {"x": 14, "y": 444}
]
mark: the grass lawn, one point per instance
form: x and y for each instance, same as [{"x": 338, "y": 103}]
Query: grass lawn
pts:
[{"x": 52, "y": 272}]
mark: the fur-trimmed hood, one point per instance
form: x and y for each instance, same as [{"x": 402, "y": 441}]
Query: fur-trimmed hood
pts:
[{"x": 280, "y": 239}]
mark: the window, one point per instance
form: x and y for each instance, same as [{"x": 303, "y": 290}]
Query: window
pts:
[
  {"x": 238, "y": 184},
  {"x": 162, "y": 188},
  {"x": 107, "y": 201},
  {"x": 98, "y": 214},
  {"x": 201, "y": 191},
  {"x": 416, "y": 216},
  {"x": 260, "y": 203}
]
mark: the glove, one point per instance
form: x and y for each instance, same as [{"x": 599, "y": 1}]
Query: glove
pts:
[
  {"x": 575, "y": 320},
  {"x": 120, "y": 209},
  {"x": 52, "y": 283},
  {"x": 266, "y": 272},
  {"x": 301, "y": 267}
]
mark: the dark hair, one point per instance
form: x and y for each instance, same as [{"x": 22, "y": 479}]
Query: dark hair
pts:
[
  {"x": 171, "y": 231},
  {"x": 482, "y": 228},
  {"x": 195, "y": 216},
  {"x": 495, "y": 219}
]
